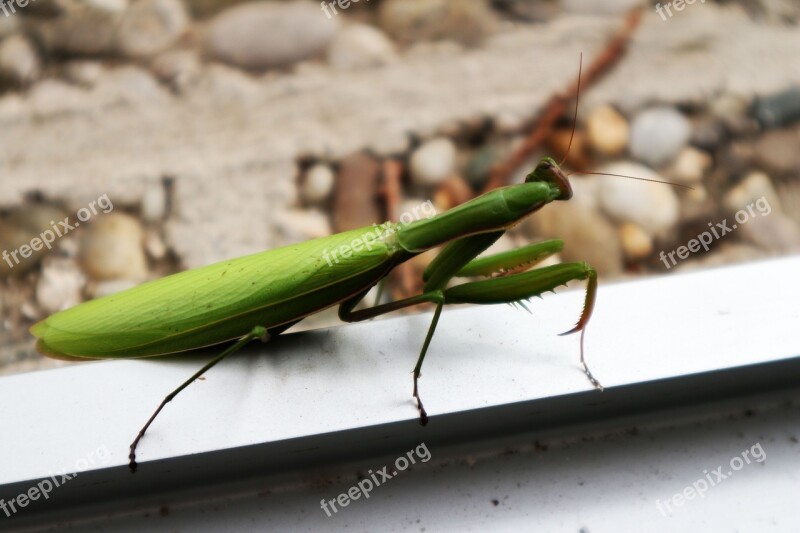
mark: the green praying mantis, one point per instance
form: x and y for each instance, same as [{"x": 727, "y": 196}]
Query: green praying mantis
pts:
[{"x": 262, "y": 295}]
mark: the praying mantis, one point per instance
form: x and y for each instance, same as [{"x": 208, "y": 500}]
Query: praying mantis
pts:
[{"x": 262, "y": 295}]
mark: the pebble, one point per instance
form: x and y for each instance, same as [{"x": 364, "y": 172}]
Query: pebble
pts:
[
  {"x": 653, "y": 207},
  {"x": 151, "y": 26},
  {"x": 591, "y": 7},
  {"x": 155, "y": 246},
  {"x": 658, "y": 134},
  {"x": 778, "y": 109},
  {"x": 754, "y": 186},
  {"x": 59, "y": 286},
  {"x": 563, "y": 143},
  {"x": 509, "y": 122},
  {"x": 82, "y": 32},
  {"x": 776, "y": 233},
  {"x": 587, "y": 234},
  {"x": 393, "y": 142},
  {"x": 19, "y": 228},
  {"x": 433, "y": 162},
  {"x": 112, "y": 6},
  {"x": 298, "y": 225},
  {"x": 83, "y": 72},
  {"x": 758, "y": 215},
  {"x": 607, "y": 130},
  {"x": 360, "y": 46},
  {"x": 409, "y": 21},
  {"x": 112, "y": 248},
  {"x": 707, "y": 133},
  {"x": 778, "y": 151},
  {"x": 690, "y": 166},
  {"x": 262, "y": 35},
  {"x": 479, "y": 166},
  {"x": 8, "y": 26},
  {"x": 178, "y": 68},
  {"x": 19, "y": 60},
  {"x": 789, "y": 193},
  {"x": 636, "y": 243},
  {"x": 317, "y": 185},
  {"x": 154, "y": 203}
]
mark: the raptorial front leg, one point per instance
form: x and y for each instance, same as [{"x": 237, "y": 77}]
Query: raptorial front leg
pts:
[{"x": 517, "y": 287}]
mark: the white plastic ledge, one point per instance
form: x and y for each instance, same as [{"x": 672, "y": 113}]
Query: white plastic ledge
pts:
[{"x": 332, "y": 395}]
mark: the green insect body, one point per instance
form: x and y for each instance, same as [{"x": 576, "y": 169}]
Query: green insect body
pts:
[
  {"x": 262, "y": 295},
  {"x": 216, "y": 303}
]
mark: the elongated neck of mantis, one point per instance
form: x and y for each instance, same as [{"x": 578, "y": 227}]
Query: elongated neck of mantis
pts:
[{"x": 496, "y": 210}]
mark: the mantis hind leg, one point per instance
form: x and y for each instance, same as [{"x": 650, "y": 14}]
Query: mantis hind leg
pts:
[{"x": 258, "y": 332}]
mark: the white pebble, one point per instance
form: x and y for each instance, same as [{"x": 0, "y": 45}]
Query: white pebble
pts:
[
  {"x": 433, "y": 162},
  {"x": 651, "y": 206},
  {"x": 360, "y": 46},
  {"x": 318, "y": 184},
  {"x": 690, "y": 166},
  {"x": 59, "y": 286},
  {"x": 658, "y": 134}
]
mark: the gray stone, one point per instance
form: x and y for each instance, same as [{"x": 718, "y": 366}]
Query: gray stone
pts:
[
  {"x": 113, "y": 248},
  {"x": 60, "y": 285},
  {"x": 180, "y": 69},
  {"x": 587, "y": 234},
  {"x": 262, "y": 35},
  {"x": 154, "y": 203},
  {"x": 433, "y": 162},
  {"x": 360, "y": 46},
  {"x": 652, "y": 207},
  {"x": 317, "y": 184},
  {"x": 409, "y": 21},
  {"x": 151, "y": 26},
  {"x": 19, "y": 60},
  {"x": 607, "y": 7},
  {"x": 8, "y": 26},
  {"x": 87, "y": 32},
  {"x": 84, "y": 73},
  {"x": 658, "y": 134}
]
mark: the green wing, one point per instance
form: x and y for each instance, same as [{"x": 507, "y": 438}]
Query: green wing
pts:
[{"x": 219, "y": 302}]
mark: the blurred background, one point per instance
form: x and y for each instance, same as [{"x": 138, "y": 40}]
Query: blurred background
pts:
[{"x": 170, "y": 134}]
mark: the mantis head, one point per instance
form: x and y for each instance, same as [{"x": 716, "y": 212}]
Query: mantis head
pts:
[{"x": 550, "y": 172}]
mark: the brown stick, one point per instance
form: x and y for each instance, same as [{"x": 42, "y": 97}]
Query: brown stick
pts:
[
  {"x": 403, "y": 275},
  {"x": 557, "y": 106}
]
